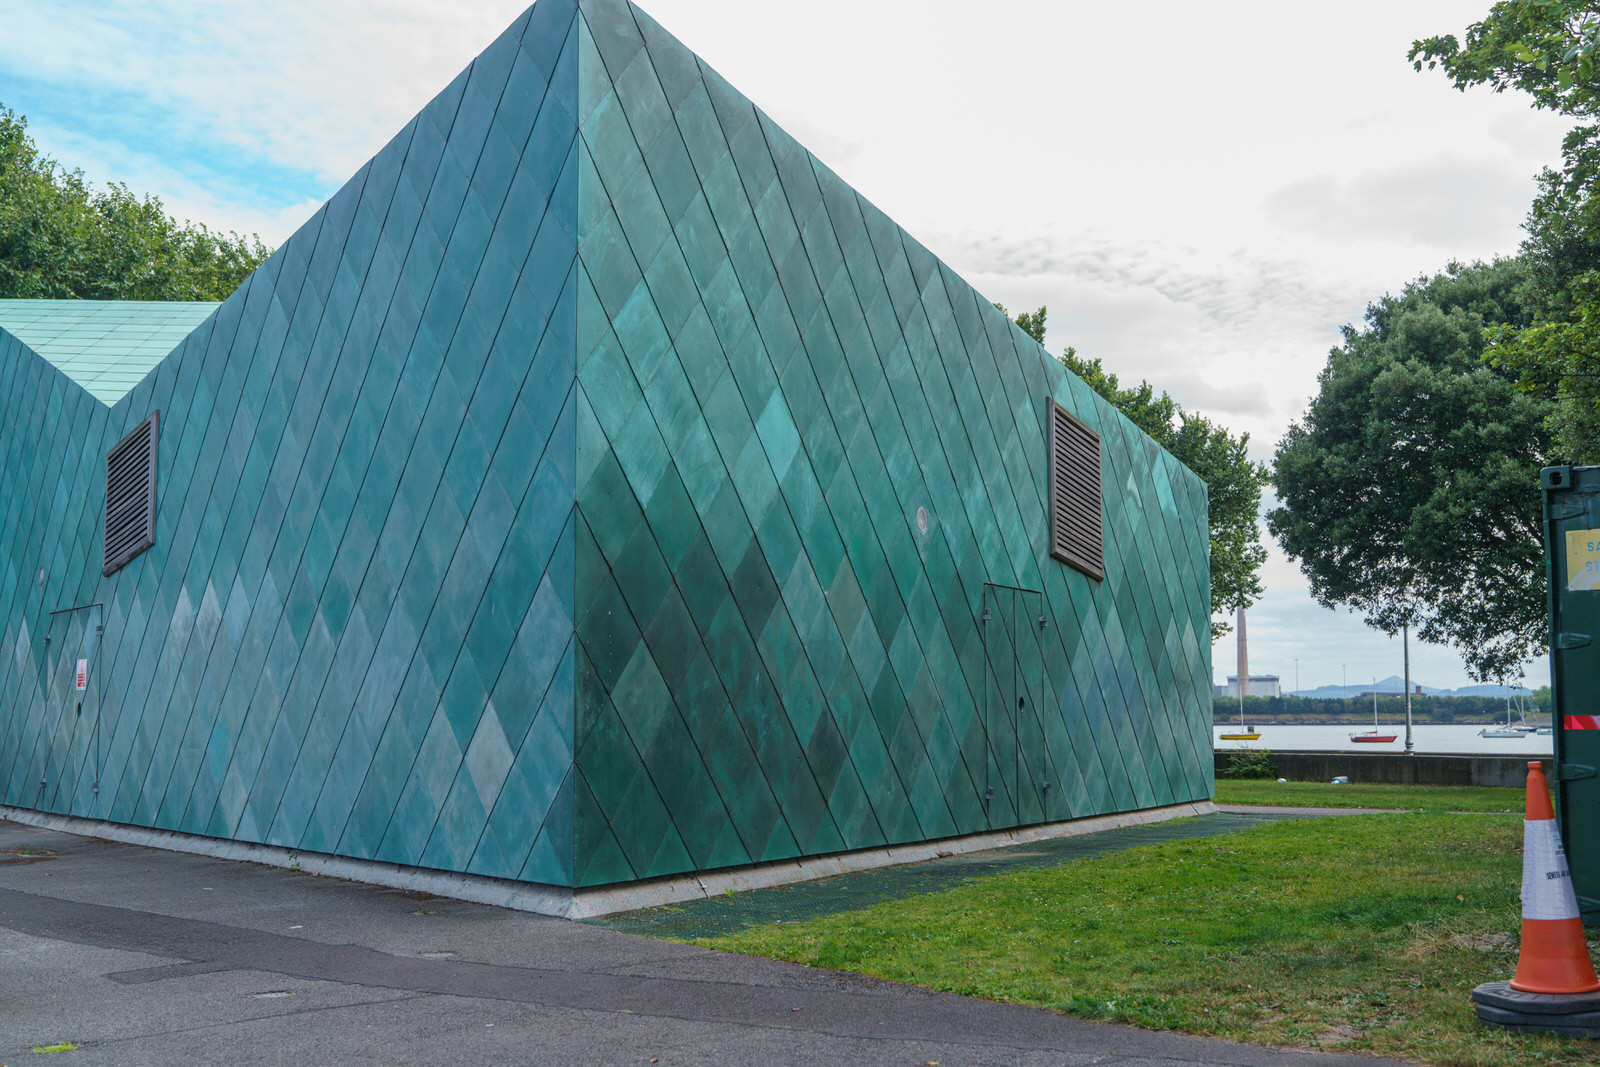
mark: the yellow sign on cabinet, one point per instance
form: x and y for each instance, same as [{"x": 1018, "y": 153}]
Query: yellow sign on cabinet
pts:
[{"x": 1583, "y": 560}]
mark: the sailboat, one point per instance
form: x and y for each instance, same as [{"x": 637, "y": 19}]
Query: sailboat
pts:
[
  {"x": 1541, "y": 729},
  {"x": 1508, "y": 730},
  {"x": 1518, "y": 699},
  {"x": 1374, "y": 736},
  {"x": 1244, "y": 733}
]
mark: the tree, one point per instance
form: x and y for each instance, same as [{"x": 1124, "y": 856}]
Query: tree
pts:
[
  {"x": 1409, "y": 490},
  {"x": 1032, "y": 323},
  {"x": 1547, "y": 48},
  {"x": 1558, "y": 359},
  {"x": 60, "y": 238},
  {"x": 1233, "y": 480},
  {"x": 1543, "y": 47}
]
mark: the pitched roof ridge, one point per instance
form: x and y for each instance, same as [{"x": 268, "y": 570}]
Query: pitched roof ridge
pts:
[{"x": 106, "y": 346}]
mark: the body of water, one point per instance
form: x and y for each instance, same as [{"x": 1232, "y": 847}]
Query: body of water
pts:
[{"x": 1451, "y": 740}]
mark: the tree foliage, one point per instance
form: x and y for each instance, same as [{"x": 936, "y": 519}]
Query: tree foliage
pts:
[
  {"x": 1233, "y": 480},
  {"x": 1410, "y": 488},
  {"x": 1558, "y": 359},
  {"x": 61, "y": 238},
  {"x": 1547, "y": 49},
  {"x": 1032, "y": 322},
  {"x": 1542, "y": 47}
]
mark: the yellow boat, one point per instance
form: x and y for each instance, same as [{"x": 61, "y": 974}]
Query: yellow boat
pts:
[{"x": 1244, "y": 733}]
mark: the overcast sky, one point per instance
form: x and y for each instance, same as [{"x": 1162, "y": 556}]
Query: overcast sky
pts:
[{"x": 1200, "y": 193}]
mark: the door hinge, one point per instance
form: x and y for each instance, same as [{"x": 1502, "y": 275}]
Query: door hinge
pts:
[
  {"x": 1566, "y": 642},
  {"x": 1572, "y": 772}
]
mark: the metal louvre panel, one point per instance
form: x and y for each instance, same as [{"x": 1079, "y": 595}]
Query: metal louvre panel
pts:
[
  {"x": 1076, "y": 527},
  {"x": 131, "y": 496}
]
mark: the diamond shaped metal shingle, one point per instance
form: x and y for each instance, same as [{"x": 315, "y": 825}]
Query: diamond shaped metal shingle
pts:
[{"x": 596, "y": 488}]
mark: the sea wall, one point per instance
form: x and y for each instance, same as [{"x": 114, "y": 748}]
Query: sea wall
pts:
[{"x": 1395, "y": 767}]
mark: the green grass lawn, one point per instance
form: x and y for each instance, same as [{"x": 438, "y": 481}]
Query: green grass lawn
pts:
[
  {"x": 1364, "y": 932},
  {"x": 1410, "y": 797}
]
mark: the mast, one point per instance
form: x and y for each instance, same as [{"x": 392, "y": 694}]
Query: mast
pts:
[
  {"x": 1243, "y": 665},
  {"x": 1405, "y": 645}
]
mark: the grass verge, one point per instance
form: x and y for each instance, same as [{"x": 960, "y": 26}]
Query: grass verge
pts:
[
  {"x": 1438, "y": 798},
  {"x": 1365, "y": 932}
]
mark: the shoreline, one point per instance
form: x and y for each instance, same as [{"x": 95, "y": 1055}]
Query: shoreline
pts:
[{"x": 1366, "y": 722}]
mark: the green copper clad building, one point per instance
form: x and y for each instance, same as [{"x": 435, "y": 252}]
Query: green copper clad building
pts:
[{"x": 596, "y": 489}]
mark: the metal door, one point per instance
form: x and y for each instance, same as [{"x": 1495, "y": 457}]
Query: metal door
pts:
[
  {"x": 1019, "y": 788},
  {"x": 73, "y": 748}
]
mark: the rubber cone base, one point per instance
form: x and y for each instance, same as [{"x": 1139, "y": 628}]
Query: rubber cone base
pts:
[{"x": 1571, "y": 1014}]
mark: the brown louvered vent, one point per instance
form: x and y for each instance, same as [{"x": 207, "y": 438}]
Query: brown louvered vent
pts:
[
  {"x": 131, "y": 496},
  {"x": 1076, "y": 537}
]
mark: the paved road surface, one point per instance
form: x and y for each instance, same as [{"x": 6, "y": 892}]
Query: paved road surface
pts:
[{"x": 151, "y": 957}]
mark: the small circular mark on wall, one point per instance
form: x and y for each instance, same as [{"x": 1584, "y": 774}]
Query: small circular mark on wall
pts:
[{"x": 922, "y": 519}]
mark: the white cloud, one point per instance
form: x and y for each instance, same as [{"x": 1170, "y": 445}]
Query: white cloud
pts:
[
  {"x": 1443, "y": 202},
  {"x": 1201, "y": 194},
  {"x": 297, "y": 79}
]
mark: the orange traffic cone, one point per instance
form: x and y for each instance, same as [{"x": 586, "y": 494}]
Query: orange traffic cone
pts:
[
  {"x": 1555, "y": 955},
  {"x": 1555, "y": 989}
]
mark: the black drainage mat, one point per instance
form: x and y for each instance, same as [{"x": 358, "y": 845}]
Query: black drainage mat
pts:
[{"x": 848, "y": 892}]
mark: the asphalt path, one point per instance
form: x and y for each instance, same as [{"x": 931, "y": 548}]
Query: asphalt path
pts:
[{"x": 141, "y": 956}]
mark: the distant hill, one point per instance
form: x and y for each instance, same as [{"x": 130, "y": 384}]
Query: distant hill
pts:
[
  {"x": 1488, "y": 691},
  {"x": 1394, "y": 685}
]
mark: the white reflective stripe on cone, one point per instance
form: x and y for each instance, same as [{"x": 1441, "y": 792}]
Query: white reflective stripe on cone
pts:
[{"x": 1546, "y": 884}]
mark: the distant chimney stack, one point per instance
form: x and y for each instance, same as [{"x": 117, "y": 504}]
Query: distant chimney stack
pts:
[{"x": 1244, "y": 656}]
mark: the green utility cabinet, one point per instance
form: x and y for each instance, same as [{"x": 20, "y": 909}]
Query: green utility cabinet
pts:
[{"x": 1572, "y": 568}]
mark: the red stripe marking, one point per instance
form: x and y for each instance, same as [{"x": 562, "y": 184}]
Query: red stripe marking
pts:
[{"x": 1581, "y": 722}]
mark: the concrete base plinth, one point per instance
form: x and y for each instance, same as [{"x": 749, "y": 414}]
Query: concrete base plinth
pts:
[
  {"x": 1571, "y": 1014},
  {"x": 590, "y": 903}
]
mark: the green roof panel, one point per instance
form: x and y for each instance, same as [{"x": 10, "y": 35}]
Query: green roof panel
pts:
[{"x": 106, "y": 346}]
